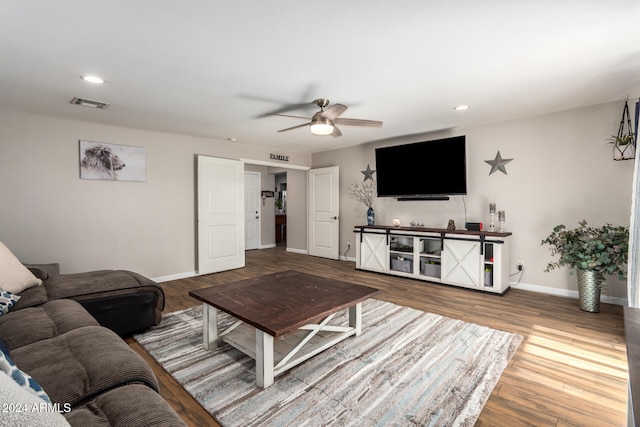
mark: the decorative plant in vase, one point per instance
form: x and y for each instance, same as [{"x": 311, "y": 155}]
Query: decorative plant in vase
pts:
[
  {"x": 624, "y": 148},
  {"x": 365, "y": 193},
  {"x": 279, "y": 204},
  {"x": 593, "y": 252}
]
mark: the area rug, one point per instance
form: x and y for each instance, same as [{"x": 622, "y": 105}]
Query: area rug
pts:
[{"x": 407, "y": 367}]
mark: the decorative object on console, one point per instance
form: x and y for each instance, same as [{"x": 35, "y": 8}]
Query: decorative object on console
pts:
[
  {"x": 498, "y": 164},
  {"x": 371, "y": 216},
  {"x": 451, "y": 225},
  {"x": 624, "y": 143},
  {"x": 416, "y": 225},
  {"x": 593, "y": 253},
  {"x": 473, "y": 226},
  {"x": 492, "y": 217},
  {"x": 501, "y": 220},
  {"x": 395, "y": 222},
  {"x": 365, "y": 193}
]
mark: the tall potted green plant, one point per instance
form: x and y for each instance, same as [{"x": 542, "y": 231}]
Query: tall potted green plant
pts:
[{"x": 592, "y": 252}]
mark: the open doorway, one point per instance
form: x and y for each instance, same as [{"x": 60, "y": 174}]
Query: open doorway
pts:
[
  {"x": 281, "y": 209},
  {"x": 291, "y": 188}
]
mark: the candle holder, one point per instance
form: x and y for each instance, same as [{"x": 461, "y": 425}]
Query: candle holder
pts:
[
  {"x": 492, "y": 217},
  {"x": 501, "y": 220}
]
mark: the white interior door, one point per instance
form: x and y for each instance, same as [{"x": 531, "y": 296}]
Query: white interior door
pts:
[
  {"x": 220, "y": 214},
  {"x": 324, "y": 224},
  {"x": 252, "y": 210}
]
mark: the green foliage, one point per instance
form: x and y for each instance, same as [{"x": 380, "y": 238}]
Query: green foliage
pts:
[
  {"x": 621, "y": 140},
  {"x": 603, "y": 250}
]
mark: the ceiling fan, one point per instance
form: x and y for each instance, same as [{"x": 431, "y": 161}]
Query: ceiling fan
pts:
[{"x": 324, "y": 121}]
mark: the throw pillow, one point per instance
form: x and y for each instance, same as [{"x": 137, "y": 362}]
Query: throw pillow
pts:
[
  {"x": 21, "y": 408},
  {"x": 7, "y": 300},
  {"x": 14, "y": 277},
  {"x": 23, "y": 379}
]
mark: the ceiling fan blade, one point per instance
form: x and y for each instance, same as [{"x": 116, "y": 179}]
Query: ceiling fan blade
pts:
[
  {"x": 294, "y": 127},
  {"x": 358, "y": 122},
  {"x": 334, "y": 111},
  {"x": 336, "y": 131},
  {"x": 289, "y": 107},
  {"x": 289, "y": 115}
]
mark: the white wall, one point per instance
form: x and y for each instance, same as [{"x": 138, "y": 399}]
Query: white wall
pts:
[
  {"x": 49, "y": 214},
  {"x": 562, "y": 172}
]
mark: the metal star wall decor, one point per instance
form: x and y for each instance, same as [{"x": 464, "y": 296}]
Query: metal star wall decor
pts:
[
  {"x": 368, "y": 174},
  {"x": 498, "y": 164}
]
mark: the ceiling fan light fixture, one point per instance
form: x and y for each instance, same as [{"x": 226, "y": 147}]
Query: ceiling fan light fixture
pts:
[{"x": 321, "y": 127}]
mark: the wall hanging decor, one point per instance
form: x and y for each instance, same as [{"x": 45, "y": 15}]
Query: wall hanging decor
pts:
[
  {"x": 498, "y": 164},
  {"x": 368, "y": 174},
  {"x": 624, "y": 143},
  {"x": 99, "y": 160}
]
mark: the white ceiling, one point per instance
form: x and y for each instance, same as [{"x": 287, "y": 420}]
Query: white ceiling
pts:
[{"x": 213, "y": 68}]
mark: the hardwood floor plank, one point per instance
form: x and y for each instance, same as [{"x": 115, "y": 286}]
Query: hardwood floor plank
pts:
[{"x": 570, "y": 371}]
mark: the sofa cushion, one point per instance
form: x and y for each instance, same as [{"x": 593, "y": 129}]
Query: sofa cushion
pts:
[
  {"x": 44, "y": 271},
  {"x": 7, "y": 301},
  {"x": 24, "y": 409},
  {"x": 131, "y": 405},
  {"x": 23, "y": 327},
  {"x": 21, "y": 378},
  {"x": 82, "y": 363},
  {"x": 91, "y": 285},
  {"x": 14, "y": 277},
  {"x": 4, "y": 347}
]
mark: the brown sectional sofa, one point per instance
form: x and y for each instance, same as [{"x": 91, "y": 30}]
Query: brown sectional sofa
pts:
[
  {"x": 85, "y": 368},
  {"x": 123, "y": 301},
  {"x": 62, "y": 357}
]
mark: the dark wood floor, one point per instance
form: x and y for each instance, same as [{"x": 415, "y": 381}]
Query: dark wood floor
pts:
[{"x": 571, "y": 369}]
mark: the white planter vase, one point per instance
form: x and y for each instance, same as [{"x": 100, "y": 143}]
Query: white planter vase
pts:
[{"x": 624, "y": 152}]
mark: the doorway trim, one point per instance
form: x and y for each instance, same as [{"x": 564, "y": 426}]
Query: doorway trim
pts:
[{"x": 275, "y": 164}]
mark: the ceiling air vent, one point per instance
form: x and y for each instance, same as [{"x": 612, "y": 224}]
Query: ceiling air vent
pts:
[{"x": 89, "y": 103}]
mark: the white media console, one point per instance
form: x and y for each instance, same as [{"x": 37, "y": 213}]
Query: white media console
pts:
[{"x": 471, "y": 259}]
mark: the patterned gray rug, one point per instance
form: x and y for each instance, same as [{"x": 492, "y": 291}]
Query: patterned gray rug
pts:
[{"x": 407, "y": 368}]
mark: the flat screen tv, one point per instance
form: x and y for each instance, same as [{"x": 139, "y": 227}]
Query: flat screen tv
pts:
[{"x": 422, "y": 170}]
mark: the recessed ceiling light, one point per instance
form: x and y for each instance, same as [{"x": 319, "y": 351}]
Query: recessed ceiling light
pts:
[
  {"x": 232, "y": 139},
  {"x": 92, "y": 79},
  {"x": 461, "y": 107}
]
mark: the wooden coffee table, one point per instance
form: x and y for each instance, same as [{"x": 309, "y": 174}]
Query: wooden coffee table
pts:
[{"x": 282, "y": 318}]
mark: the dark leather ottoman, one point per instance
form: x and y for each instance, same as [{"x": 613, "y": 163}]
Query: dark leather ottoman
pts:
[{"x": 123, "y": 301}]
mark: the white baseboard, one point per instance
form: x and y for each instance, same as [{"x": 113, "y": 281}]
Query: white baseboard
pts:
[
  {"x": 174, "y": 276},
  {"x": 349, "y": 259},
  {"x": 298, "y": 251},
  {"x": 564, "y": 292},
  {"x": 272, "y": 245}
]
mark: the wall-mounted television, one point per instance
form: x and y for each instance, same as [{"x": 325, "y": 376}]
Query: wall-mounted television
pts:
[{"x": 422, "y": 170}]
